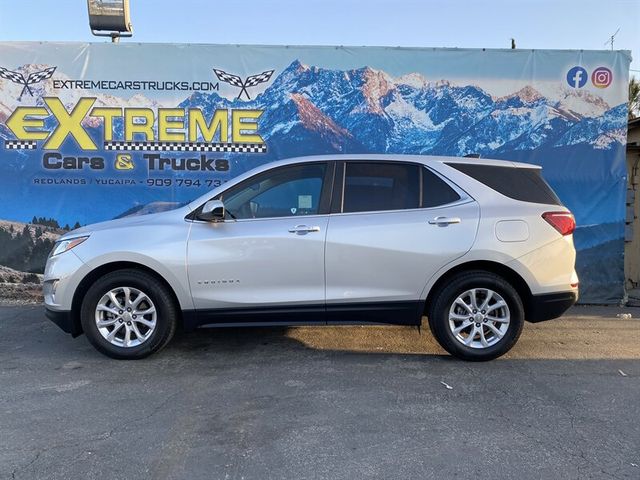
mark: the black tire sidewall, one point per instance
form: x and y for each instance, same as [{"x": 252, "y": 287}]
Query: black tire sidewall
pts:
[
  {"x": 439, "y": 315},
  {"x": 157, "y": 292}
]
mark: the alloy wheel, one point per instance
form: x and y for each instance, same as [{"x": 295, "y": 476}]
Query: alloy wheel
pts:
[
  {"x": 126, "y": 317},
  {"x": 479, "y": 318}
]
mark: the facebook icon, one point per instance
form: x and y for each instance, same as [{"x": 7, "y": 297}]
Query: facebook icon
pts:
[{"x": 577, "y": 77}]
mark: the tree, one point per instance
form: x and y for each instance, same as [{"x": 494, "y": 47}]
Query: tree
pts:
[
  {"x": 76, "y": 225},
  {"x": 634, "y": 98},
  {"x": 26, "y": 232},
  {"x": 46, "y": 222}
]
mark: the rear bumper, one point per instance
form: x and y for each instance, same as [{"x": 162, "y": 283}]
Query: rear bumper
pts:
[
  {"x": 64, "y": 320},
  {"x": 549, "y": 306}
]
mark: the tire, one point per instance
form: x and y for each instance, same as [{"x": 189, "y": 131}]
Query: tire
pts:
[
  {"x": 150, "y": 323},
  {"x": 447, "y": 315}
]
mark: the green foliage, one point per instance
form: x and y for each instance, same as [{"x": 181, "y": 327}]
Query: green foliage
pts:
[{"x": 634, "y": 98}]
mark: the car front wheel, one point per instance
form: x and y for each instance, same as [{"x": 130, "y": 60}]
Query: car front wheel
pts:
[
  {"x": 477, "y": 316},
  {"x": 128, "y": 314}
]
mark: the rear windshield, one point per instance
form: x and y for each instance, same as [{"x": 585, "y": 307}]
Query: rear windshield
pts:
[{"x": 525, "y": 184}]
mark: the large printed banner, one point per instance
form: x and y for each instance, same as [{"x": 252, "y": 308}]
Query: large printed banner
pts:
[{"x": 91, "y": 132}]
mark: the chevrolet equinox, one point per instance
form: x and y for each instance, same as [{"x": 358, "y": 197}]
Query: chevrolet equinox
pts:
[{"x": 477, "y": 246}]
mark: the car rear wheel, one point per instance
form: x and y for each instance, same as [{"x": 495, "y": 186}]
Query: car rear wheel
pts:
[
  {"x": 477, "y": 316},
  {"x": 128, "y": 314}
]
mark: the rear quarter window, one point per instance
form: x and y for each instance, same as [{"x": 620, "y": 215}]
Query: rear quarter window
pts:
[
  {"x": 435, "y": 191},
  {"x": 524, "y": 184}
]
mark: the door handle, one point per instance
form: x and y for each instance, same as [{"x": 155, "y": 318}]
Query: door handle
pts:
[
  {"x": 304, "y": 229},
  {"x": 444, "y": 221}
]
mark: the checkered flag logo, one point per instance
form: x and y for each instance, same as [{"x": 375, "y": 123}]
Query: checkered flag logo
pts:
[
  {"x": 229, "y": 78},
  {"x": 254, "y": 80},
  {"x": 33, "y": 78},
  {"x": 236, "y": 81},
  {"x": 13, "y": 76}
]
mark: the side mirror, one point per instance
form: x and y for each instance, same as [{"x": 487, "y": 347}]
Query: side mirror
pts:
[{"x": 212, "y": 211}]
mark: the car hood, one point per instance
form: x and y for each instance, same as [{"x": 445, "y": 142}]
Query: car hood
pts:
[{"x": 178, "y": 213}]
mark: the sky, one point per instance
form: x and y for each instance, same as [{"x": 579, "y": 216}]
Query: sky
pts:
[{"x": 535, "y": 24}]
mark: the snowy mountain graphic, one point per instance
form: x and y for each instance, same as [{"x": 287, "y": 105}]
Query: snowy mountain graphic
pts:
[{"x": 315, "y": 110}]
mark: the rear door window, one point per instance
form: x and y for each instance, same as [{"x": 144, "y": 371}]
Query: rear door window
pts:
[{"x": 378, "y": 186}]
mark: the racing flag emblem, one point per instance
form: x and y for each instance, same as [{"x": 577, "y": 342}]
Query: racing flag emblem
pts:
[
  {"x": 236, "y": 81},
  {"x": 33, "y": 78}
]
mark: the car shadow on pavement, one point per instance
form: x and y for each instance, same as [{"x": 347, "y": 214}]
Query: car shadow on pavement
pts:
[
  {"x": 231, "y": 339},
  {"x": 302, "y": 341}
]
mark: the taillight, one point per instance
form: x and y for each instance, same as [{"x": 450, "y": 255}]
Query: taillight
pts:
[{"x": 563, "y": 222}]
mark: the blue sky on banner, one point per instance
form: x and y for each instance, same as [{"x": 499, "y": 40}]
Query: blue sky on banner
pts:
[{"x": 539, "y": 24}]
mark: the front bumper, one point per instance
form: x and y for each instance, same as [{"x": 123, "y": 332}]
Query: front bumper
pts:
[
  {"x": 549, "y": 306},
  {"x": 62, "y": 275},
  {"x": 64, "y": 320}
]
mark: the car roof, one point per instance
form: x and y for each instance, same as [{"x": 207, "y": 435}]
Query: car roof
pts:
[{"x": 424, "y": 159}]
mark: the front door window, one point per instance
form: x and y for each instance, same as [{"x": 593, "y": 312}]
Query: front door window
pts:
[{"x": 285, "y": 192}]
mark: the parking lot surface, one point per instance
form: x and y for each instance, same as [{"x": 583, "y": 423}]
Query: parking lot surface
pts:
[{"x": 322, "y": 403}]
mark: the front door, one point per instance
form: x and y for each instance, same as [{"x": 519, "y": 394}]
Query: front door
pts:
[{"x": 269, "y": 251}]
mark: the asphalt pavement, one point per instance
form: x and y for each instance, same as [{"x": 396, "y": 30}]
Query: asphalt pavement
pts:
[{"x": 322, "y": 403}]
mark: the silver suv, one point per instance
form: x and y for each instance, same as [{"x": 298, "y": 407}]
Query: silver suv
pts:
[{"x": 478, "y": 246}]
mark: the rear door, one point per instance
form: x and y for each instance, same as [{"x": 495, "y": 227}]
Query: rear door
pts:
[{"x": 393, "y": 225}]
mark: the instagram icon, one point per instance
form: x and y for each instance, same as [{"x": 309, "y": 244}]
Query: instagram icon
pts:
[{"x": 601, "y": 77}]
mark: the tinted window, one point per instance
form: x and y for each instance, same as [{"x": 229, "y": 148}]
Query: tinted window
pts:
[
  {"x": 435, "y": 191},
  {"x": 285, "y": 192},
  {"x": 525, "y": 184},
  {"x": 380, "y": 186}
]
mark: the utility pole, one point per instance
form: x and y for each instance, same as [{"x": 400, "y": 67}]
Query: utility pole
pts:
[{"x": 612, "y": 39}]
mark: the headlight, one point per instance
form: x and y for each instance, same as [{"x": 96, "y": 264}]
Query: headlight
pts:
[{"x": 66, "y": 245}]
